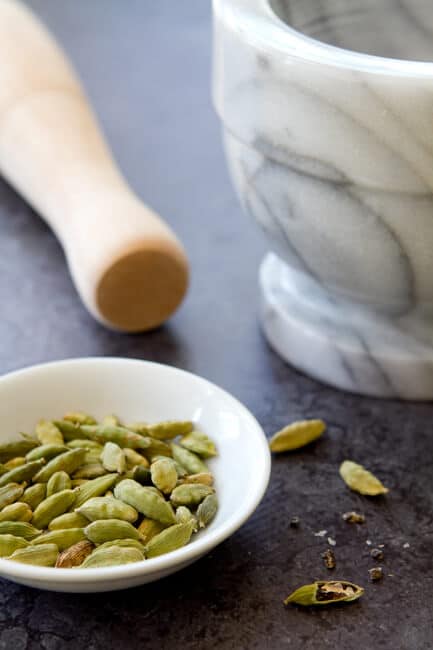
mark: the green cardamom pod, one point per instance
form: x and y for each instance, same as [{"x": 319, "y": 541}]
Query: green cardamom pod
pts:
[
  {"x": 47, "y": 452},
  {"x": 10, "y": 450},
  {"x": 74, "y": 555},
  {"x": 93, "y": 456},
  {"x": 205, "y": 478},
  {"x": 61, "y": 538},
  {"x": 169, "y": 540},
  {"x": 164, "y": 475},
  {"x": 199, "y": 443},
  {"x": 10, "y": 543},
  {"x": 70, "y": 431},
  {"x": 297, "y": 435},
  {"x": 113, "y": 458},
  {"x": 190, "y": 461},
  {"x": 325, "y": 593},
  {"x": 133, "y": 458},
  {"x": 81, "y": 443},
  {"x": 145, "y": 500},
  {"x": 190, "y": 494},
  {"x": 112, "y": 556},
  {"x": 67, "y": 462},
  {"x": 77, "y": 417},
  {"x": 167, "y": 430},
  {"x": 52, "y": 507},
  {"x": 107, "y": 508},
  {"x": 34, "y": 495},
  {"x": 94, "y": 488},
  {"x": 22, "y": 473},
  {"x": 207, "y": 510},
  {"x": 184, "y": 515},
  {"x": 148, "y": 528},
  {"x": 111, "y": 421},
  {"x": 10, "y": 493},
  {"x": 105, "y": 530},
  {"x": 123, "y": 543},
  {"x": 19, "y": 529},
  {"x": 43, "y": 555},
  {"x": 94, "y": 470},
  {"x": 17, "y": 511},
  {"x": 120, "y": 435},
  {"x": 18, "y": 461},
  {"x": 361, "y": 480},
  {"x": 48, "y": 434},
  {"x": 68, "y": 520},
  {"x": 57, "y": 482}
]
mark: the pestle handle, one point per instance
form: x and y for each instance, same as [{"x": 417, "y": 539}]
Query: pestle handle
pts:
[{"x": 128, "y": 267}]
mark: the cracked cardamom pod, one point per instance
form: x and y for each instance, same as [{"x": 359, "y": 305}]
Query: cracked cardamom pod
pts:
[
  {"x": 296, "y": 435},
  {"x": 325, "y": 593},
  {"x": 360, "y": 479}
]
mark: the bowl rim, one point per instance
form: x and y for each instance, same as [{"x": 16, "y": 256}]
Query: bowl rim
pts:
[
  {"x": 182, "y": 556},
  {"x": 272, "y": 33}
]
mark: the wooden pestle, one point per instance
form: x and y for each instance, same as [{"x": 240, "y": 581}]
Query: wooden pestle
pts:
[{"x": 129, "y": 268}]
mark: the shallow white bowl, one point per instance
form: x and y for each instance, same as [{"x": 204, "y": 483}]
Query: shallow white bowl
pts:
[{"x": 140, "y": 390}]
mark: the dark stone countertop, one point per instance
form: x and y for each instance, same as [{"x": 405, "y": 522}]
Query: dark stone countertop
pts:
[{"x": 146, "y": 67}]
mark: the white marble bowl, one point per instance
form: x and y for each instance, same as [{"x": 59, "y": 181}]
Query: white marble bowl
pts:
[
  {"x": 141, "y": 390},
  {"x": 327, "y": 110}
]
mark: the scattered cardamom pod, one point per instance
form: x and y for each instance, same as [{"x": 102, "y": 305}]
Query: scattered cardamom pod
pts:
[
  {"x": 112, "y": 556},
  {"x": 43, "y": 555},
  {"x": 164, "y": 475},
  {"x": 190, "y": 494},
  {"x": 17, "y": 511},
  {"x": 169, "y": 539},
  {"x": 10, "y": 543},
  {"x": 74, "y": 555},
  {"x": 377, "y": 554},
  {"x": 48, "y": 434},
  {"x": 57, "y": 482},
  {"x": 107, "y": 508},
  {"x": 113, "y": 458},
  {"x": 296, "y": 435},
  {"x": 360, "y": 479},
  {"x": 325, "y": 593},
  {"x": 376, "y": 573}
]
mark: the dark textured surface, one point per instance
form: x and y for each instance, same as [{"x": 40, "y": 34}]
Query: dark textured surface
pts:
[{"x": 146, "y": 66}]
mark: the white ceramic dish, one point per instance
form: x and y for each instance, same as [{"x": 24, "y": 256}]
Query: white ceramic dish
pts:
[{"x": 140, "y": 390}]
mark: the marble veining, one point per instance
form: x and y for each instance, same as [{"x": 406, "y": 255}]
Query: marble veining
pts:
[{"x": 331, "y": 153}]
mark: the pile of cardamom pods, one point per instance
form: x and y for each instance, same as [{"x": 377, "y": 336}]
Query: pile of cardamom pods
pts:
[{"x": 78, "y": 493}]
